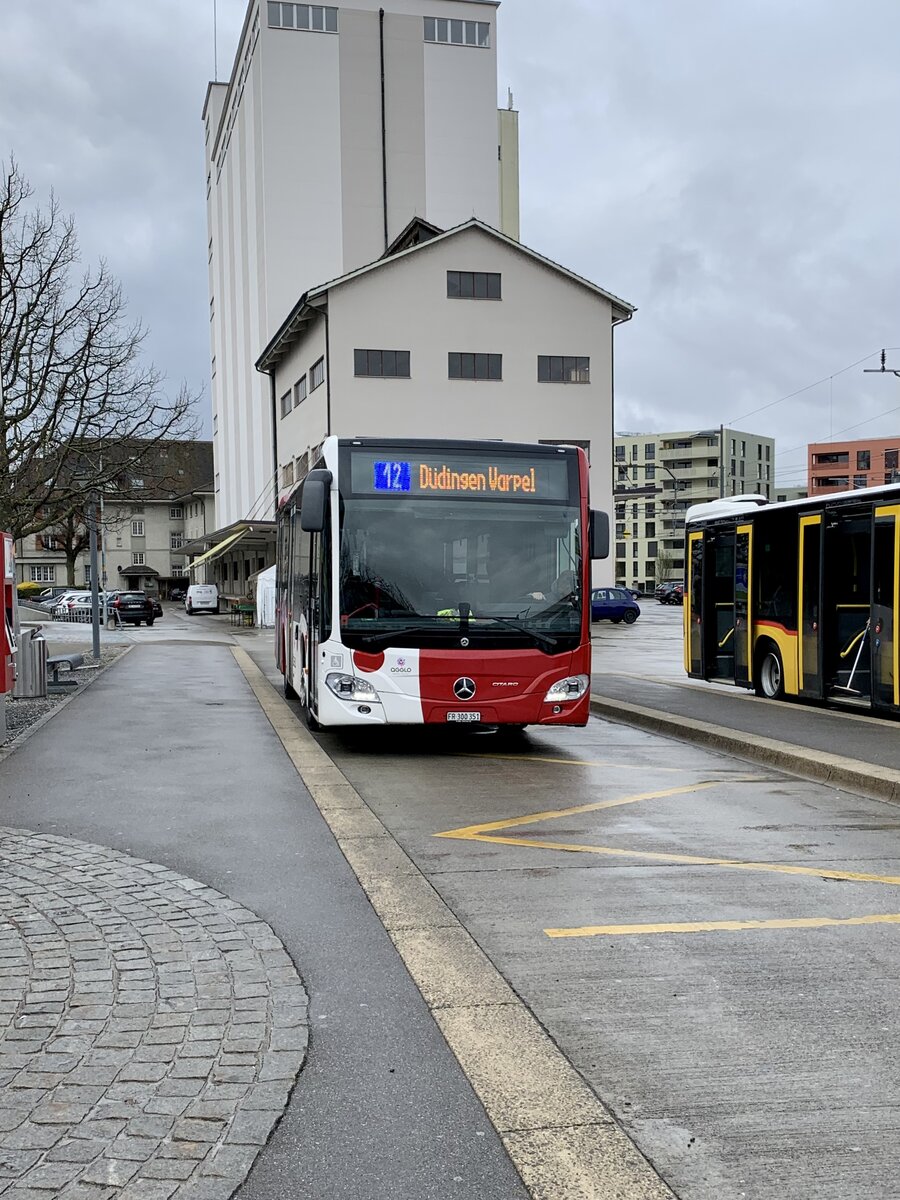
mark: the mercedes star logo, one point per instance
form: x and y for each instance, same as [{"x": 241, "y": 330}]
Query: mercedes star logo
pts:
[{"x": 464, "y": 689}]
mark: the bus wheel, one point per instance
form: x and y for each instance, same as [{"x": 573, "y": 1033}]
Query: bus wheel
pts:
[{"x": 770, "y": 676}]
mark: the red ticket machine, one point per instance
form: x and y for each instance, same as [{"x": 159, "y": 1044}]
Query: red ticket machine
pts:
[{"x": 10, "y": 607}]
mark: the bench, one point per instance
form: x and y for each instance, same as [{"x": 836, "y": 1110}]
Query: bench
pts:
[{"x": 69, "y": 662}]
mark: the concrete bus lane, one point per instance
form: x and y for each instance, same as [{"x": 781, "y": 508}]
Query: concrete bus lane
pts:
[{"x": 712, "y": 944}]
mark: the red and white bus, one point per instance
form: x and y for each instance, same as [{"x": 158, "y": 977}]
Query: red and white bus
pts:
[{"x": 427, "y": 582}]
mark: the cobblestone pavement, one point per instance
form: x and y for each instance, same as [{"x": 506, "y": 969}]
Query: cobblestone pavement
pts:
[{"x": 150, "y": 1028}]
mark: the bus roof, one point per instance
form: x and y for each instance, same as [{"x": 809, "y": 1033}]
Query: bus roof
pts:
[{"x": 735, "y": 506}]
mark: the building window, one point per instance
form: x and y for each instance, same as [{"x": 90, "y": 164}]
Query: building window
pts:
[
  {"x": 313, "y": 18},
  {"x": 558, "y": 368},
  {"x": 456, "y": 33},
  {"x": 860, "y": 481},
  {"x": 43, "y": 574},
  {"x": 890, "y": 459},
  {"x": 742, "y": 468},
  {"x": 285, "y": 404},
  {"x": 768, "y": 453},
  {"x": 300, "y": 390},
  {"x": 87, "y": 574},
  {"x": 137, "y": 482},
  {"x": 473, "y": 285},
  {"x": 316, "y": 374},
  {"x": 474, "y": 366},
  {"x": 620, "y": 454},
  {"x": 137, "y": 558},
  {"x": 176, "y": 513},
  {"x": 176, "y": 541},
  {"x": 381, "y": 364},
  {"x": 137, "y": 528},
  {"x": 650, "y": 532},
  {"x": 620, "y": 549},
  {"x": 650, "y": 472},
  {"x": 178, "y": 572},
  {"x": 650, "y": 450},
  {"x": 864, "y": 460}
]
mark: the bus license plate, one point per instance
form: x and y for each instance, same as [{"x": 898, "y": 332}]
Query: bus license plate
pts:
[{"x": 463, "y": 716}]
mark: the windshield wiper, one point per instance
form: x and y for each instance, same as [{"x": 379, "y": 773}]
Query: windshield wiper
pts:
[{"x": 543, "y": 638}]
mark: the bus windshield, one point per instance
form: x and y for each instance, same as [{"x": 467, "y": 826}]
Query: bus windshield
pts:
[{"x": 494, "y": 569}]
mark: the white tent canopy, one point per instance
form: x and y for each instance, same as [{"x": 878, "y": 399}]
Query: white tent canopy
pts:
[{"x": 265, "y": 598}]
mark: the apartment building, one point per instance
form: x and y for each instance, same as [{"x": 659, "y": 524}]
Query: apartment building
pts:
[
  {"x": 144, "y": 524},
  {"x": 658, "y": 476},
  {"x": 336, "y": 127},
  {"x": 783, "y": 494},
  {"x": 847, "y": 466}
]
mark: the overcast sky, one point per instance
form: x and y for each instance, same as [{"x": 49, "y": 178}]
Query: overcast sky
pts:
[{"x": 730, "y": 168}]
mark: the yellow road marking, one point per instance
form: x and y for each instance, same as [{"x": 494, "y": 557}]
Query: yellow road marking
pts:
[
  {"x": 732, "y": 864},
  {"x": 729, "y": 926},
  {"x": 577, "y": 762},
  {"x": 471, "y": 832}
]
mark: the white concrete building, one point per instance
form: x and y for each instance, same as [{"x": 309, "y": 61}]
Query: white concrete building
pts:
[
  {"x": 336, "y": 127},
  {"x": 468, "y": 334}
]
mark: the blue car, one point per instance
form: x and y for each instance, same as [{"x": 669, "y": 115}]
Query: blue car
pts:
[{"x": 614, "y": 604}]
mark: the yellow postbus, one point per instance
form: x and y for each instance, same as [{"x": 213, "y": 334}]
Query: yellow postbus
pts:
[{"x": 797, "y": 599}]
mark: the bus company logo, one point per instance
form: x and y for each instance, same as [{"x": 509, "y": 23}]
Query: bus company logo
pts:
[
  {"x": 464, "y": 688},
  {"x": 401, "y": 668},
  {"x": 506, "y": 683}
]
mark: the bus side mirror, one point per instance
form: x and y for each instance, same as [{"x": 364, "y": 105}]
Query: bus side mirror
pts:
[
  {"x": 314, "y": 505},
  {"x": 599, "y": 534}
]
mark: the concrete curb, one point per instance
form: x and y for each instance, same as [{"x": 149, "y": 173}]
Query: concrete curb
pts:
[
  {"x": 561, "y": 1138},
  {"x": 850, "y": 774}
]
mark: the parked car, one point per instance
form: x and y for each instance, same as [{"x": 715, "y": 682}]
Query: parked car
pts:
[
  {"x": 673, "y": 594},
  {"x": 177, "y": 594},
  {"x": 614, "y": 604},
  {"x": 72, "y": 606},
  {"x": 50, "y": 596},
  {"x": 201, "y": 597},
  {"x": 133, "y": 607}
]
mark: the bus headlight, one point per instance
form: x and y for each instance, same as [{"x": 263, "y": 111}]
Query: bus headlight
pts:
[
  {"x": 572, "y": 688},
  {"x": 350, "y": 687}
]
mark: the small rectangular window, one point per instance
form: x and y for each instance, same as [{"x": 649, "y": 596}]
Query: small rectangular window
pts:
[
  {"x": 483, "y": 34},
  {"x": 620, "y": 453},
  {"x": 138, "y": 558},
  {"x": 287, "y": 474},
  {"x": 473, "y": 285},
  {"x": 430, "y": 29},
  {"x": 474, "y": 366},
  {"x": 381, "y": 364},
  {"x": 287, "y": 16},
  {"x": 300, "y": 391},
  {"x": 650, "y": 450},
  {"x": 176, "y": 541},
  {"x": 443, "y": 29},
  {"x": 557, "y": 368},
  {"x": 864, "y": 460},
  {"x": 137, "y": 528},
  {"x": 285, "y": 404},
  {"x": 317, "y": 374},
  {"x": 456, "y": 33},
  {"x": 318, "y": 18},
  {"x": 176, "y": 513}
]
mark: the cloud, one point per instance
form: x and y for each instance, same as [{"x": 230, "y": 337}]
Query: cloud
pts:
[{"x": 729, "y": 168}]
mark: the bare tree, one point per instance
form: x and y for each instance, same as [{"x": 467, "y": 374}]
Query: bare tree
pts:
[
  {"x": 663, "y": 565},
  {"x": 81, "y": 410}
]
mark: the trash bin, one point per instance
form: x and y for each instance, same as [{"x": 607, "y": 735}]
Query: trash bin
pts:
[{"x": 31, "y": 665}]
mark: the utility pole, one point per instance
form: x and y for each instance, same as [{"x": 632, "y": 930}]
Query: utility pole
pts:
[{"x": 95, "y": 590}]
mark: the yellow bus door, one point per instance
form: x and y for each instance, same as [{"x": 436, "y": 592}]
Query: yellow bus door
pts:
[
  {"x": 743, "y": 577},
  {"x": 809, "y": 606},
  {"x": 885, "y": 608},
  {"x": 693, "y": 607}
]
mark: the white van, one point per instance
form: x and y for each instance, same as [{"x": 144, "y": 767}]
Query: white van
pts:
[{"x": 201, "y": 597}]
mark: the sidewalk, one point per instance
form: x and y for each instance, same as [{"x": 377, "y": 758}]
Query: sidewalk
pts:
[{"x": 163, "y": 856}]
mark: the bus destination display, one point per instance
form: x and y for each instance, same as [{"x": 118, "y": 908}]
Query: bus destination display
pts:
[{"x": 541, "y": 478}]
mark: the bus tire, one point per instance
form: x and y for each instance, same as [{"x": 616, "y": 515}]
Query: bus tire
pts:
[
  {"x": 311, "y": 723},
  {"x": 770, "y": 674}
]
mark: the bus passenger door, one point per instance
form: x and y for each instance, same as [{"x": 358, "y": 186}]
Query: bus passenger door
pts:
[
  {"x": 693, "y": 608},
  {"x": 809, "y": 605},
  {"x": 743, "y": 559},
  {"x": 885, "y": 608}
]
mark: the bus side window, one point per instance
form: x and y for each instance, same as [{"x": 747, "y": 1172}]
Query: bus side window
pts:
[{"x": 299, "y": 567}]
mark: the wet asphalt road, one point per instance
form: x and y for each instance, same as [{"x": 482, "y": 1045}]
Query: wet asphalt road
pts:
[
  {"x": 757, "y": 1060},
  {"x": 169, "y": 757},
  {"x": 690, "y": 929}
]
